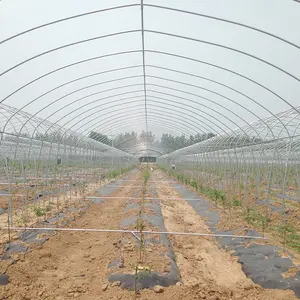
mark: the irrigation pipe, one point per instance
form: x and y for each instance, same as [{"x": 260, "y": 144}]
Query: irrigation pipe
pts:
[
  {"x": 135, "y": 232},
  {"x": 162, "y": 181},
  {"x": 146, "y": 198},
  {"x": 123, "y": 186},
  {"x": 135, "y": 236}
]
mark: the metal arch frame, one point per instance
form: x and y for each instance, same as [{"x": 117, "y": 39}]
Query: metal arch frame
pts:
[
  {"x": 227, "y": 48},
  {"x": 136, "y": 66},
  {"x": 127, "y": 149},
  {"x": 157, "y": 32},
  {"x": 222, "y": 68},
  {"x": 225, "y": 21},
  {"x": 92, "y": 128},
  {"x": 172, "y": 126},
  {"x": 90, "y": 86},
  {"x": 226, "y": 147},
  {"x": 68, "y": 45},
  {"x": 68, "y": 66},
  {"x": 143, "y": 50},
  {"x": 270, "y": 143},
  {"x": 155, "y": 6},
  {"x": 163, "y": 124},
  {"x": 67, "y": 19},
  {"x": 93, "y": 108},
  {"x": 157, "y": 121},
  {"x": 174, "y": 55},
  {"x": 64, "y": 133},
  {"x": 150, "y": 31},
  {"x": 136, "y": 76},
  {"x": 161, "y": 7},
  {"x": 100, "y": 105},
  {"x": 144, "y": 68},
  {"x": 105, "y": 91},
  {"x": 102, "y": 99}
]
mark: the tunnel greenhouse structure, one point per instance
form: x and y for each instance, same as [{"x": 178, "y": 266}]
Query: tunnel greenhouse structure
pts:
[{"x": 170, "y": 68}]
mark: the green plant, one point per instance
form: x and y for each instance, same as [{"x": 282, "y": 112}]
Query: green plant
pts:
[
  {"x": 290, "y": 235},
  {"x": 39, "y": 212},
  {"x": 140, "y": 272},
  {"x": 236, "y": 202},
  {"x": 194, "y": 184},
  {"x": 48, "y": 208},
  {"x": 146, "y": 175},
  {"x": 23, "y": 219},
  {"x": 255, "y": 218},
  {"x": 83, "y": 185},
  {"x": 112, "y": 174}
]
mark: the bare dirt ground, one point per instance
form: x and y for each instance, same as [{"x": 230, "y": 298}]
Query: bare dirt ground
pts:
[{"x": 74, "y": 264}]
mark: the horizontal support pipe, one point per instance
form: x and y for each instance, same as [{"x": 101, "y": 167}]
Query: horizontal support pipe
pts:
[{"x": 134, "y": 231}]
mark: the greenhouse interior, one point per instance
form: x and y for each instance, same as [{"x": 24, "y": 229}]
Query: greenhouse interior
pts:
[{"x": 150, "y": 149}]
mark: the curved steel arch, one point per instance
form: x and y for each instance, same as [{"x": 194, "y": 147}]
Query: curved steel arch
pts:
[
  {"x": 157, "y": 120},
  {"x": 96, "y": 101},
  {"x": 225, "y": 21},
  {"x": 127, "y": 116},
  {"x": 227, "y": 48},
  {"x": 177, "y": 36},
  {"x": 115, "y": 96},
  {"x": 91, "y": 127},
  {"x": 136, "y": 76},
  {"x": 174, "y": 55},
  {"x": 66, "y": 19},
  {"x": 224, "y": 69},
  {"x": 135, "y": 66},
  {"x": 120, "y": 109}
]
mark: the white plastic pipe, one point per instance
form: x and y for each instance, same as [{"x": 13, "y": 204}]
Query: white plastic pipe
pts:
[
  {"x": 135, "y": 231},
  {"x": 146, "y": 198}
]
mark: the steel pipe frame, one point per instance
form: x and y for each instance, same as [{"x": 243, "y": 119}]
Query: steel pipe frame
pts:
[
  {"x": 144, "y": 50},
  {"x": 156, "y": 32},
  {"x": 98, "y": 73},
  {"x": 287, "y": 156},
  {"x": 108, "y": 56},
  {"x": 48, "y": 128},
  {"x": 167, "y": 34},
  {"x": 157, "y": 113},
  {"x": 148, "y": 84}
]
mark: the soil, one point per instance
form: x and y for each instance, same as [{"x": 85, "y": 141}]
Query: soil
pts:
[{"x": 75, "y": 264}]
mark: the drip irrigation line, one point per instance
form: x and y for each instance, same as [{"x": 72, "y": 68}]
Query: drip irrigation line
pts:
[
  {"x": 123, "y": 186},
  {"x": 162, "y": 181},
  {"x": 134, "y": 232},
  {"x": 146, "y": 198}
]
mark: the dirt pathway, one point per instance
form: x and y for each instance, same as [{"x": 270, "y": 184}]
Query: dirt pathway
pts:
[
  {"x": 71, "y": 264},
  {"x": 200, "y": 259},
  {"x": 75, "y": 264}
]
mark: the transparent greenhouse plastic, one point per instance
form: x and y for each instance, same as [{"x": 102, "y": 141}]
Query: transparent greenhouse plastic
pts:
[{"x": 177, "y": 69}]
